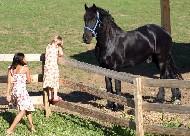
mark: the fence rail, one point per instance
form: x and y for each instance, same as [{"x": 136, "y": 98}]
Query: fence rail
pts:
[
  {"x": 136, "y": 103},
  {"x": 95, "y": 114},
  {"x": 29, "y": 57},
  {"x": 35, "y": 78},
  {"x": 168, "y": 83}
]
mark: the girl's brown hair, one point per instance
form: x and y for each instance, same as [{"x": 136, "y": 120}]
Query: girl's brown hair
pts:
[{"x": 18, "y": 59}]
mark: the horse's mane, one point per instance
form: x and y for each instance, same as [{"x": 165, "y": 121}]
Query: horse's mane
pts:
[
  {"x": 105, "y": 13},
  {"x": 107, "y": 17}
]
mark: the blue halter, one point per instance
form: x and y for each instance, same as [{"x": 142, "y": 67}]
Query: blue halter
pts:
[{"x": 93, "y": 30}]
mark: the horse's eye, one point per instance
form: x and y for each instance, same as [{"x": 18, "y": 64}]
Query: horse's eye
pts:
[{"x": 90, "y": 21}]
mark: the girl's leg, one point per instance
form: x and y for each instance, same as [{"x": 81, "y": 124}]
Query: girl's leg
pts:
[
  {"x": 55, "y": 96},
  {"x": 50, "y": 90},
  {"x": 16, "y": 121},
  {"x": 29, "y": 116}
]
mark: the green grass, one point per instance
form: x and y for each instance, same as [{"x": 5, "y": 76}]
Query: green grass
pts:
[
  {"x": 60, "y": 125},
  {"x": 28, "y": 25}
]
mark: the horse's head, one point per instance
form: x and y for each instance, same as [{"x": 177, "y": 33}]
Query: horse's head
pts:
[{"x": 92, "y": 22}]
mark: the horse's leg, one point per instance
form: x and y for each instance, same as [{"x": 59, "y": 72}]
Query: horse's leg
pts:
[
  {"x": 161, "y": 92},
  {"x": 118, "y": 92},
  {"x": 162, "y": 67},
  {"x": 174, "y": 74},
  {"x": 110, "y": 105},
  {"x": 176, "y": 96}
]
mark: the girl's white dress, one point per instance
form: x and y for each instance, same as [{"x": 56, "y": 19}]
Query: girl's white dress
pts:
[
  {"x": 19, "y": 92},
  {"x": 51, "y": 70}
]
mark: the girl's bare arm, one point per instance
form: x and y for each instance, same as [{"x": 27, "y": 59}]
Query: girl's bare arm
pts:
[
  {"x": 28, "y": 75},
  {"x": 60, "y": 56},
  {"x": 60, "y": 51},
  {"x": 9, "y": 85}
]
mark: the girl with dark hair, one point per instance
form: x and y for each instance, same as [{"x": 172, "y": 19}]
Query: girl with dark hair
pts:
[{"x": 18, "y": 76}]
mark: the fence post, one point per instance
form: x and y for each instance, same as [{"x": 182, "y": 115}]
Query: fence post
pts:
[
  {"x": 46, "y": 103},
  {"x": 165, "y": 15},
  {"x": 138, "y": 108},
  {"x": 45, "y": 92}
]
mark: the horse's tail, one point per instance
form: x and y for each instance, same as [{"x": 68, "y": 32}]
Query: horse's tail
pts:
[{"x": 174, "y": 73}]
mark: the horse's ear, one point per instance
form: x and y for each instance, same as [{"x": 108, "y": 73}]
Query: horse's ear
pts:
[
  {"x": 85, "y": 6},
  {"x": 94, "y": 6}
]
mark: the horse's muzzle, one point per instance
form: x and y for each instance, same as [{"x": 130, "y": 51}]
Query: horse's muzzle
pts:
[{"x": 86, "y": 39}]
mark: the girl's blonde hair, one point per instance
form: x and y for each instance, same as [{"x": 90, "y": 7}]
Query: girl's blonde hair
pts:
[{"x": 58, "y": 37}]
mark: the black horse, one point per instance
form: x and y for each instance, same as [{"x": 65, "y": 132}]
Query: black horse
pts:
[{"x": 116, "y": 49}]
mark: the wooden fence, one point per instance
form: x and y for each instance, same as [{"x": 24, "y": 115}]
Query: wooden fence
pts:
[
  {"x": 138, "y": 103},
  {"x": 165, "y": 15}
]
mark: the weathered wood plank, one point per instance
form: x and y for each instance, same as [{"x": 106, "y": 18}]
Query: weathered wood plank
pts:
[
  {"x": 95, "y": 114},
  {"x": 155, "y": 129},
  {"x": 81, "y": 65},
  {"x": 6, "y": 57},
  {"x": 34, "y": 78},
  {"x": 170, "y": 83},
  {"x": 37, "y": 100},
  {"x": 99, "y": 70},
  {"x": 138, "y": 108},
  {"x": 29, "y": 57},
  {"x": 4, "y": 106},
  {"x": 36, "y": 106},
  {"x": 166, "y": 108},
  {"x": 3, "y": 79},
  {"x": 3, "y": 101}
]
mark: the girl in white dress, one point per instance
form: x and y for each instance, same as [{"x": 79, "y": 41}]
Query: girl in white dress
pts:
[
  {"x": 18, "y": 76},
  {"x": 51, "y": 70}
]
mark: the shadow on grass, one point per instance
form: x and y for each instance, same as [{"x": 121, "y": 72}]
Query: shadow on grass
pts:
[
  {"x": 181, "y": 54},
  {"x": 180, "y": 51},
  {"x": 121, "y": 131},
  {"x": 81, "y": 97},
  {"x": 77, "y": 96},
  {"x": 36, "y": 93},
  {"x": 92, "y": 125},
  {"x": 10, "y": 116}
]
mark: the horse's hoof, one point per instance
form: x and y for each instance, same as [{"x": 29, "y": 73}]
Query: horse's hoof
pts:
[
  {"x": 115, "y": 108},
  {"x": 118, "y": 107},
  {"x": 177, "y": 102},
  {"x": 110, "y": 106},
  {"x": 159, "y": 100}
]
